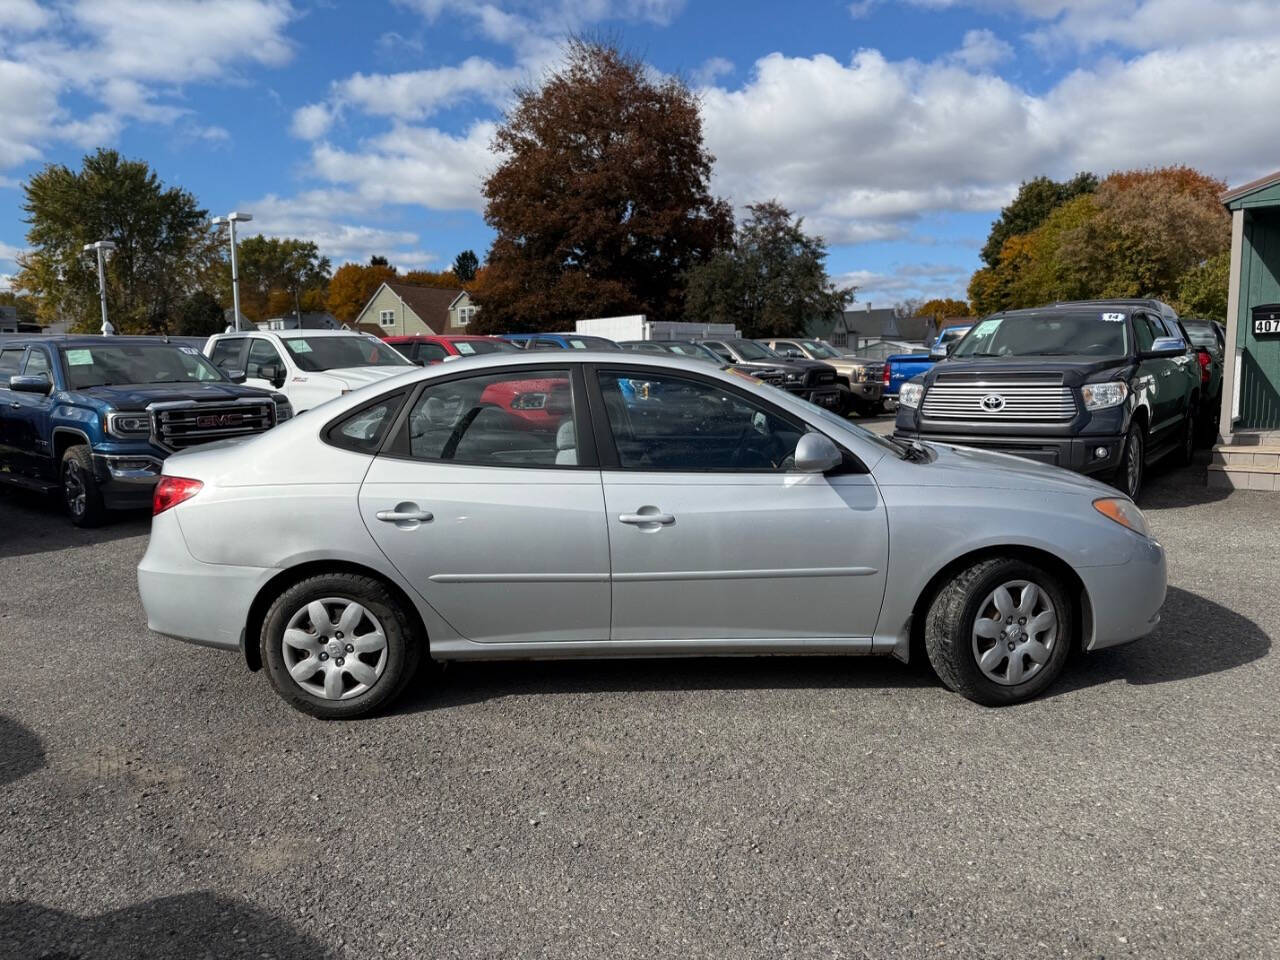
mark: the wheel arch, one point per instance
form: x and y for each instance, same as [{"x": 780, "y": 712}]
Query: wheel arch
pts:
[
  {"x": 1082, "y": 606},
  {"x": 250, "y": 645},
  {"x": 64, "y": 438}
]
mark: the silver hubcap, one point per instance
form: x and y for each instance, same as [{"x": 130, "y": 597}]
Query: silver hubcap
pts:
[
  {"x": 334, "y": 648},
  {"x": 1014, "y": 632}
]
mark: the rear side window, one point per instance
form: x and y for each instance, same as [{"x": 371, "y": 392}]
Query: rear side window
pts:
[
  {"x": 363, "y": 430},
  {"x": 225, "y": 354}
]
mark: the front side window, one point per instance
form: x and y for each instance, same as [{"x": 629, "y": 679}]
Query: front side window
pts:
[
  {"x": 225, "y": 354},
  {"x": 315, "y": 354},
  {"x": 664, "y": 422},
  {"x": 261, "y": 354},
  {"x": 37, "y": 363},
  {"x": 99, "y": 366},
  {"x": 518, "y": 418}
]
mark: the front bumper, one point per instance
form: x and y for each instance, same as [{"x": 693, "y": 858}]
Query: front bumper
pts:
[
  {"x": 126, "y": 480},
  {"x": 202, "y": 603},
  {"x": 870, "y": 392},
  {"x": 1125, "y": 599},
  {"x": 1088, "y": 455},
  {"x": 827, "y": 395}
]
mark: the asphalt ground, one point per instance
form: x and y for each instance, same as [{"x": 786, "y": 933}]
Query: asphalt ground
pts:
[{"x": 156, "y": 800}]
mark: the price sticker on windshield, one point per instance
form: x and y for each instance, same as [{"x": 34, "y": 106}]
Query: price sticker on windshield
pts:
[
  {"x": 80, "y": 358},
  {"x": 298, "y": 346},
  {"x": 1113, "y": 318}
]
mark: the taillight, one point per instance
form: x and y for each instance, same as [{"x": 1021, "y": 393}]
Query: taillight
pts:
[
  {"x": 171, "y": 491},
  {"x": 885, "y": 376},
  {"x": 1203, "y": 356}
]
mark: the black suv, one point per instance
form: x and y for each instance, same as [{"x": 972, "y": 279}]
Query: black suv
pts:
[
  {"x": 811, "y": 380},
  {"x": 1103, "y": 387}
]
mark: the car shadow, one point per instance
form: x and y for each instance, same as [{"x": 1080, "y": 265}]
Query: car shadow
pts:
[
  {"x": 36, "y": 524},
  {"x": 1197, "y": 637},
  {"x": 166, "y": 928},
  {"x": 21, "y": 752},
  {"x": 1171, "y": 486}
]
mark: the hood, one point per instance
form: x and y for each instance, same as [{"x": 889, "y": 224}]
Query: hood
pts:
[
  {"x": 136, "y": 396},
  {"x": 969, "y": 467},
  {"x": 1074, "y": 370},
  {"x": 787, "y": 365},
  {"x": 355, "y": 377}
]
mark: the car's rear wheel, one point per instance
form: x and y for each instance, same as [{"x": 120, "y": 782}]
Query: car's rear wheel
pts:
[
  {"x": 999, "y": 632},
  {"x": 1129, "y": 473},
  {"x": 80, "y": 494},
  {"x": 339, "y": 646}
]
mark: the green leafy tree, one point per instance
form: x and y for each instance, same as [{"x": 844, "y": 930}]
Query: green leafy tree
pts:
[
  {"x": 200, "y": 315},
  {"x": 1202, "y": 290},
  {"x": 941, "y": 308},
  {"x": 161, "y": 234},
  {"x": 1036, "y": 199},
  {"x": 276, "y": 272},
  {"x": 465, "y": 266},
  {"x": 600, "y": 203},
  {"x": 351, "y": 287},
  {"x": 772, "y": 282}
]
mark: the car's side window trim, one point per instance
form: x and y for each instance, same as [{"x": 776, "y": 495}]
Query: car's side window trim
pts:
[
  {"x": 396, "y": 442},
  {"x": 327, "y": 431},
  {"x": 609, "y": 459}
]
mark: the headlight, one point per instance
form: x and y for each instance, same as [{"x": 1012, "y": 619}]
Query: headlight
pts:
[
  {"x": 1123, "y": 512},
  {"x": 284, "y": 410},
  {"x": 909, "y": 394},
  {"x": 129, "y": 424},
  {"x": 1098, "y": 396},
  {"x": 793, "y": 377}
]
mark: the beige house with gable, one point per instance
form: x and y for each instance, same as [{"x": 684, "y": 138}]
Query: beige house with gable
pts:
[{"x": 403, "y": 309}]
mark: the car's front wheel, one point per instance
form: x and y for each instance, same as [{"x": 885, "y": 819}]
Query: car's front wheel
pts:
[
  {"x": 80, "y": 493},
  {"x": 339, "y": 646},
  {"x": 1129, "y": 473},
  {"x": 1000, "y": 631}
]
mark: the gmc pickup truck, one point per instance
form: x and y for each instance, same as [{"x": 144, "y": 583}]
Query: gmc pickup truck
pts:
[
  {"x": 1100, "y": 387},
  {"x": 93, "y": 417},
  {"x": 858, "y": 378}
]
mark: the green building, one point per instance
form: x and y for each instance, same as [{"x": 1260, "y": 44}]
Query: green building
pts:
[{"x": 1249, "y": 457}]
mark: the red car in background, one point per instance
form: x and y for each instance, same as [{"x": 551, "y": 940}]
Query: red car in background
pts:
[{"x": 428, "y": 348}]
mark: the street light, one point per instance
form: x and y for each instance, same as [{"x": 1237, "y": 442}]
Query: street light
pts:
[
  {"x": 231, "y": 219},
  {"x": 102, "y": 247}
]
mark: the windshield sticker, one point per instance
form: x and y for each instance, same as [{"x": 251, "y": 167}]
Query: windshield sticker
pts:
[
  {"x": 80, "y": 358},
  {"x": 986, "y": 327},
  {"x": 190, "y": 351},
  {"x": 465, "y": 347},
  {"x": 1113, "y": 317},
  {"x": 298, "y": 346}
]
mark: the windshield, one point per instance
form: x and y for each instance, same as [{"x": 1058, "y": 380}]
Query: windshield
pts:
[
  {"x": 591, "y": 343},
  {"x": 314, "y": 354},
  {"x": 1201, "y": 334},
  {"x": 750, "y": 350},
  {"x": 102, "y": 366},
  {"x": 1087, "y": 333},
  {"x": 819, "y": 349},
  {"x": 467, "y": 348},
  {"x": 695, "y": 350}
]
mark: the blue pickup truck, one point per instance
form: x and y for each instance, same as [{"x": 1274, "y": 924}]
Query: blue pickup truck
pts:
[
  {"x": 901, "y": 367},
  {"x": 93, "y": 417}
]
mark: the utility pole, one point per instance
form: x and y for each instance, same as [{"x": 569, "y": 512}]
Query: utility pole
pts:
[
  {"x": 101, "y": 247},
  {"x": 231, "y": 219}
]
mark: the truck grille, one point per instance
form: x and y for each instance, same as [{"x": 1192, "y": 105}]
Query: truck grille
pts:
[
  {"x": 1026, "y": 401},
  {"x": 175, "y": 426},
  {"x": 819, "y": 378}
]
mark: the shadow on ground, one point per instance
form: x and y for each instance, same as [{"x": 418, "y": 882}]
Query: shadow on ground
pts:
[
  {"x": 32, "y": 523},
  {"x": 21, "y": 752},
  {"x": 1196, "y": 638},
  {"x": 167, "y": 928}
]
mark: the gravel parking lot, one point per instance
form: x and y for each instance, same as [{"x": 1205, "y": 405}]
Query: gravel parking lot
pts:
[{"x": 159, "y": 801}]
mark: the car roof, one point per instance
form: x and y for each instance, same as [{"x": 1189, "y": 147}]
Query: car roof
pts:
[{"x": 89, "y": 340}]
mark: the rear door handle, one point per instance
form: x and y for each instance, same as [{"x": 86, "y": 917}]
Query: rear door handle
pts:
[
  {"x": 405, "y": 516},
  {"x": 640, "y": 519}
]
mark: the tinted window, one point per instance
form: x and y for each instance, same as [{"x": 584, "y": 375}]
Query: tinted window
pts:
[
  {"x": 101, "y": 365},
  {"x": 468, "y": 347},
  {"x": 662, "y": 422},
  {"x": 225, "y": 354},
  {"x": 511, "y": 419},
  {"x": 1146, "y": 329},
  {"x": 315, "y": 354},
  {"x": 1091, "y": 333},
  {"x": 9, "y": 360},
  {"x": 428, "y": 352},
  {"x": 753, "y": 351},
  {"x": 363, "y": 430},
  {"x": 1202, "y": 334},
  {"x": 37, "y": 363},
  {"x": 261, "y": 354},
  {"x": 698, "y": 351},
  {"x": 720, "y": 350}
]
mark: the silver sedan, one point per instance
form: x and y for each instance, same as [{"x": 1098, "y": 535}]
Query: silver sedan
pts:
[{"x": 611, "y": 505}]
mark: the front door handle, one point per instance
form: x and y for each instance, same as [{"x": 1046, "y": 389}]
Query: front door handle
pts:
[
  {"x": 644, "y": 518},
  {"x": 405, "y": 513}
]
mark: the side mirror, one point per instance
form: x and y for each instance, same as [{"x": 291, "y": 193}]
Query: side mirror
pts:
[
  {"x": 1167, "y": 347},
  {"x": 235, "y": 375},
  {"x": 274, "y": 373},
  {"x": 38, "y": 384},
  {"x": 815, "y": 453}
]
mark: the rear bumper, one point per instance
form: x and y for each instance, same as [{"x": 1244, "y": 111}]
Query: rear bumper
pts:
[
  {"x": 1089, "y": 455},
  {"x": 1125, "y": 599},
  {"x": 203, "y": 603}
]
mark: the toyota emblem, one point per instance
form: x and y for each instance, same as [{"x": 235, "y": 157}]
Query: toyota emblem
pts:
[{"x": 992, "y": 403}]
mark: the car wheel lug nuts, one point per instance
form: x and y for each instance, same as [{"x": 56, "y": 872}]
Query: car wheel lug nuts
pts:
[
  {"x": 324, "y": 656},
  {"x": 339, "y": 661},
  {"x": 350, "y": 648}
]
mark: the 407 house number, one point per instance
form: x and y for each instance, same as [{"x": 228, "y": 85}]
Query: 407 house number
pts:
[{"x": 1266, "y": 326}]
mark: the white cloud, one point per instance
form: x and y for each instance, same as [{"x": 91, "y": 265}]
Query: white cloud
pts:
[
  {"x": 9, "y": 253},
  {"x": 982, "y": 49},
  {"x": 901, "y": 282},
  {"x": 860, "y": 9},
  {"x": 711, "y": 70},
  {"x": 312, "y": 121},
  {"x": 23, "y": 16},
  {"x": 323, "y": 216}
]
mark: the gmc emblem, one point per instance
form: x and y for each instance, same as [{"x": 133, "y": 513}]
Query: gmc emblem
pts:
[{"x": 219, "y": 419}]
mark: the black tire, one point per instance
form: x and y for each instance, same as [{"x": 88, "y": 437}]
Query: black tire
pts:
[
  {"x": 949, "y": 625},
  {"x": 403, "y": 650},
  {"x": 847, "y": 403},
  {"x": 81, "y": 497},
  {"x": 1207, "y": 425},
  {"x": 1185, "y": 455},
  {"x": 1133, "y": 452}
]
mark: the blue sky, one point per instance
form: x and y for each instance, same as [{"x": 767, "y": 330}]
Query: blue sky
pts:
[{"x": 896, "y": 127}]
